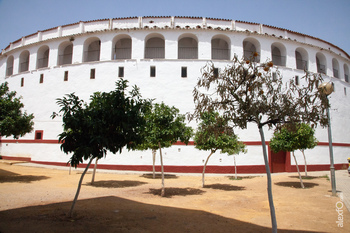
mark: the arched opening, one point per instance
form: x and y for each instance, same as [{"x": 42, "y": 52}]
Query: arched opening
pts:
[
  {"x": 155, "y": 47},
  {"x": 321, "y": 63},
  {"x": 122, "y": 48},
  {"x": 9, "y": 66},
  {"x": 346, "y": 73},
  {"x": 23, "y": 61},
  {"x": 92, "y": 49},
  {"x": 278, "y": 54},
  {"x": 65, "y": 53},
  {"x": 251, "y": 47},
  {"x": 187, "y": 47},
  {"x": 220, "y": 48},
  {"x": 335, "y": 65},
  {"x": 42, "y": 57},
  {"x": 301, "y": 59}
]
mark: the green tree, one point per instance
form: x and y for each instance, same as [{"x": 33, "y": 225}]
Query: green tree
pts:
[
  {"x": 284, "y": 139},
  {"x": 165, "y": 126},
  {"x": 246, "y": 91},
  {"x": 306, "y": 140},
  {"x": 214, "y": 133},
  {"x": 13, "y": 121},
  {"x": 291, "y": 138},
  {"x": 110, "y": 122}
]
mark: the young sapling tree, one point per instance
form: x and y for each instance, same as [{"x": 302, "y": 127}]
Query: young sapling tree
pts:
[
  {"x": 214, "y": 133},
  {"x": 249, "y": 92},
  {"x": 164, "y": 127}
]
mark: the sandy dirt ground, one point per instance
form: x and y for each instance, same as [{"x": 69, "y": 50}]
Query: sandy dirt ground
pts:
[{"x": 34, "y": 199}]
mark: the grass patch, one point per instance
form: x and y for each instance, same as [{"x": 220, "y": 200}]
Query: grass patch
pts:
[
  {"x": 311, "y": 177},
  {"x": 159, "y": 176},
  {"x": 241, "y": 177},
  {"x": 296, "y": 185},
  {"x": 324, "y": 176},
  {"x": 170, "y": 192}
]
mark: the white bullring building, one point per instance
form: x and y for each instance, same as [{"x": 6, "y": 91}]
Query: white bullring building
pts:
[{"x": 163, "y": 56}]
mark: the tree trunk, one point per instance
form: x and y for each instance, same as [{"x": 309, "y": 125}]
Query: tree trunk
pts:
[
  {"x": 296, "y": 163},
  {"x": 269, "y": 184},
  {"x": 162, "y": 167},
  {"x": 205, "y": 165},
  {"x": 234, "y": 160},
  {"x": 94, "y": 172},
  {"x": 302, "y": 151},
  {"x": 78, "y": 190},
  {"x": 154, "y": 161}
]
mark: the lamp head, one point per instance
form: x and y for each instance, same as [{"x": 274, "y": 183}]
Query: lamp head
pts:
[{"x": 326, "y": 88}]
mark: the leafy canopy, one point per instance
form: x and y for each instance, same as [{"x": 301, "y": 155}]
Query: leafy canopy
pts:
[
  {"x": 164, "y": 124},
  {"x": 110, "y": 121},
  {"x": 291, "y": 138},
  {"x": 246, "y": 91},
  {"x": 13, "y": 122},
  {"x": 214, "y": 133}
]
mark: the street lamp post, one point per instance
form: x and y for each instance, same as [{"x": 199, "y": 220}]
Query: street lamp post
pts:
[{"x": 327, "y": 88}]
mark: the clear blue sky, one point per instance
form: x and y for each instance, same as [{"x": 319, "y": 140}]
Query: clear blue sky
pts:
[{"x": 325, "y": 19}]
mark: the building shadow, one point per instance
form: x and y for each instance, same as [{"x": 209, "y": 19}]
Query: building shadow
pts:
[
  {"x": 113, "y": 214},
  {"x": 170, "y": 192},
  {"x": 296, "y": 184},
  {"x": 225, "y": 187},
  {"x": 116, "y": 183},
  {"x": 11, "y": 177},
  {"x": 7, "y": 173}
]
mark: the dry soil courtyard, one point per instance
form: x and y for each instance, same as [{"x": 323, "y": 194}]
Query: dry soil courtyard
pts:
[{"x": 36, "y": 199}]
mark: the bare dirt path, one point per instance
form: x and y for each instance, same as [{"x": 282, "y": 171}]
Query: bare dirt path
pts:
[{"x": 36, "y": 199}]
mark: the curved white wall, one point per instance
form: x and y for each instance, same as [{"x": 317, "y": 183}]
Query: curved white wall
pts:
[{"x": 94, "y": 46}]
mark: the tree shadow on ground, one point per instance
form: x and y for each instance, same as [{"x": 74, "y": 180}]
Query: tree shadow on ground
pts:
[
  {"x": 296, "y": 184},
  {"x": 159, "y": 176},
  {"x": 225, "y": 187},
  {"x": 113, "y": 214},
  {"x": 116, "y": 183},
  {"x": 170, "y": 192},
  {"x": 10, "y": 177}
]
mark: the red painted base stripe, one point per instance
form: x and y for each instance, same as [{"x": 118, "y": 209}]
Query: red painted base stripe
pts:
[
  {"x": 25, "y": 159},
  {"x": 243, "y": 169},
  {"x": 319, "y": 167}
]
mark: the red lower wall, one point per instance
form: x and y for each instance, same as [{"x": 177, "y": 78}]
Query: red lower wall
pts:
[{"x": 247, "y": 169}]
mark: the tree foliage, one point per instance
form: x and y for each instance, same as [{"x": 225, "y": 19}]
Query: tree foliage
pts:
[
  {"x": 166, "y": 125},
  {"x": 246, "y": 91},
  {"x": 13, "y": 121},
  {"x": 249, "y": 92},
  {"x": 110, "y": 122},
  {"x": 214, "y": 133},
  {"x": 291, "y": 138},
  {"x": 294, "y": 137}
]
